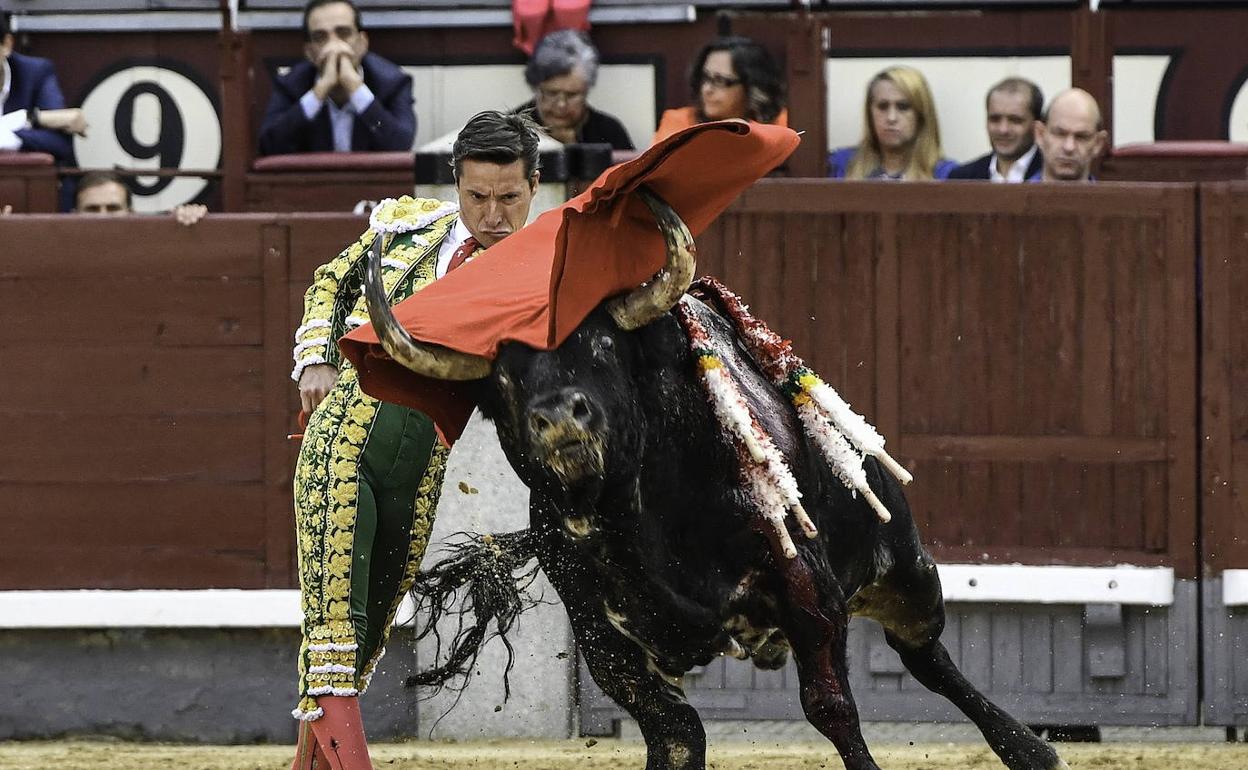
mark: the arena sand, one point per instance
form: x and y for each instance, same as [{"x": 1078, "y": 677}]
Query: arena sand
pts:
[{"x": 604, "y": 755}]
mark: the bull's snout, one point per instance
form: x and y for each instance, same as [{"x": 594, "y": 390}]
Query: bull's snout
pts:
[
  {"x": 567, "y": 410},
  {"x": 566, "y": 429}
]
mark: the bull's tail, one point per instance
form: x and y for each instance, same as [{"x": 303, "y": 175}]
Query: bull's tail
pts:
[{"x": 494, "y": 573}]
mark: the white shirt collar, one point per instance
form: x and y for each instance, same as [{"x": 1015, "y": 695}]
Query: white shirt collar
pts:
[
  {"x": 1018, "y": 171},
  {"x": 8, "y": 81},
  {"x": 450, "y": 244}
]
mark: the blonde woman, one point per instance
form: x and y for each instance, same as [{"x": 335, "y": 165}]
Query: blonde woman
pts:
[{"x": 900, "y": 136}]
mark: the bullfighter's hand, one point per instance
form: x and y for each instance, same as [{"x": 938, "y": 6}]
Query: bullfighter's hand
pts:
[{"x": 314, "y": 384}]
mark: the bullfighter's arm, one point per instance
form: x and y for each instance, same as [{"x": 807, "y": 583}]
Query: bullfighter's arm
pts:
[{"x": 335, "y": 288}]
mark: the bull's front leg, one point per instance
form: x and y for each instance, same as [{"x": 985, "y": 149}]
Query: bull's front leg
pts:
[
  {"x": 816, "y": 621},
  {"x": 675, "y": 739}
]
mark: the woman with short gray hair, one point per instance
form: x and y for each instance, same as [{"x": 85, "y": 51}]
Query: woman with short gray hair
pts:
[{"x": 563, "y": 68}]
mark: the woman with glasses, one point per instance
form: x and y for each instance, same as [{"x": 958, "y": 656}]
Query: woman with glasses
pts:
[
  {"x": 900, "y": 134},
  {"x": 563, "y": 68},
  {"x": 732, "y": 77}
]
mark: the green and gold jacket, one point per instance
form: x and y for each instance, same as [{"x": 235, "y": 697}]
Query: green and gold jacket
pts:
[{"x": 334, "y": 304}]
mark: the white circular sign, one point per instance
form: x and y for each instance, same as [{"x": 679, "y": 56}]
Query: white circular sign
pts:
[{"x": 150, "y": 116}]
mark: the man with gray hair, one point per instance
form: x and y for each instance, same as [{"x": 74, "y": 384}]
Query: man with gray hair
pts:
[
  {"x": 563, "y": 69},
  {"x": 369, "y": 472},
  {"x": 1013, "y": 107}
]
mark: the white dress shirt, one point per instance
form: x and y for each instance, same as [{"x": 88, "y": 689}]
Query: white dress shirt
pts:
[
  {"x": 450, "y": 244},
  {"x": 341, "y": 119},
  {"x": 1017, "y": 173}
]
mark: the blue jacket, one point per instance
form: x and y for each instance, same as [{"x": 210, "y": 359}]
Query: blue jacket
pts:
[
  {"x": 33, "y": 84},
  {"x": 389, "y": 123},
  {"x": 839, "y": 160}
]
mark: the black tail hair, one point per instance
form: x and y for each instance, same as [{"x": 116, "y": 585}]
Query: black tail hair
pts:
[{"x": 495, "y": 570}]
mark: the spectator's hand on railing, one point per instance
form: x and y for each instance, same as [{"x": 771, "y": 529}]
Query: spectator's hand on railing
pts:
[
  {"x": 314, "y": 384},
  {"x": 71, "y": 120},
  {"x": 189, "y": 213}
]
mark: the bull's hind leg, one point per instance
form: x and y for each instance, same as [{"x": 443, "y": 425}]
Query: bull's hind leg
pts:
[
  {"x": 908, "y": 603},
  {"x": 816, "y": 626}
]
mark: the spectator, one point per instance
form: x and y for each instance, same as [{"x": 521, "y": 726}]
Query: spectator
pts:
[
  {"x": 103, "y": 192},
  {"x": 1013, "y": 107},
  {"x": 342, "y": 98},
  {"x": 561, "y": 72},
  {"x": 29, "y": 84},
  {"x": 1071, "y": 136},
  {"x": 732, "y": 77},
  {"x": 900, "y": 134}
]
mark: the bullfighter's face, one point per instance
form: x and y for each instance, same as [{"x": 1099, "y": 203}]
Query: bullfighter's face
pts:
[{"x": 494, "y": 199}]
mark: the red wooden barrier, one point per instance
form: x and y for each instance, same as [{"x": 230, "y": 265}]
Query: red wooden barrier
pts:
[
  {"x": 1176, "y": 162},
  {"x": 28, "y": 182},
  {"x": 1030, "y": 351},
  {"x": 328, "y": 181}
]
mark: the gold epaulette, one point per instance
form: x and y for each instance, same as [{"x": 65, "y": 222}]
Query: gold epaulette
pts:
[{"x": 408, "y": 214}]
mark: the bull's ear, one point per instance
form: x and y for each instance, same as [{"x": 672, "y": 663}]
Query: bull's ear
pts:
[{"x": 654, "y": 298}]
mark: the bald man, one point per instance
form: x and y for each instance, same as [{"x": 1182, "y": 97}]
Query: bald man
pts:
[{"x": 1070, "y": 136}]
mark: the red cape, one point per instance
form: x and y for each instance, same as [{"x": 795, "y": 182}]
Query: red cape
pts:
[{"x": 539, "y": 283}]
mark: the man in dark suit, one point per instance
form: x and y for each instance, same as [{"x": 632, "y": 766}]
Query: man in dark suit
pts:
[
  {"x": 1013, "y": 105},
  {"x": 342, "y": 98},
  {"x": 28, "y": 83}
]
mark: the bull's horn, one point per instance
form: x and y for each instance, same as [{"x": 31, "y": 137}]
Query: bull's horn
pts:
[
  {"x": 651, "y": 300},
  {"x": 435, "y": 361}
]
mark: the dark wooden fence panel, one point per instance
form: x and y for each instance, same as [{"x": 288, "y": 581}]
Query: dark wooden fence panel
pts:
[
  {"x": 1028, "y": 352},
  {"x": 1224, "y": 236},
  {"x": 1031, "y": 351},
  {"x": 146, "y": 398}
]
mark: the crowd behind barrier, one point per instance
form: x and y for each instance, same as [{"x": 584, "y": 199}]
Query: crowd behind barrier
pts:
[{"x": 752, "y": 79}]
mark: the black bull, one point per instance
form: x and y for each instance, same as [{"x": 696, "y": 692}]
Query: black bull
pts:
[{"x": 639, "y": 521}]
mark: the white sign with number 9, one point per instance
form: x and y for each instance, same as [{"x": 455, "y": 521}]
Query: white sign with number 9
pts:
[{"x": 149, "y": 117}]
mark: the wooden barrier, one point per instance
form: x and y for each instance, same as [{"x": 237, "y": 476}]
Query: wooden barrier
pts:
[
  {"x": 327, "y": 181},
  {"x": 1224, "y": 451},
  {"x": 147, "y": 398},
  {"x": 1030, "y": 351},
  {"x": 28, "y": 182},
  {"x": 1176, "y": 162}
]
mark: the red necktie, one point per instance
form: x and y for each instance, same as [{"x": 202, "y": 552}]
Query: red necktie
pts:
[{"x": 462, "y": 254}]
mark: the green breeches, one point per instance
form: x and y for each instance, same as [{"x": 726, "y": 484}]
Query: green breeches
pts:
[{"x": 366, "y": 487}]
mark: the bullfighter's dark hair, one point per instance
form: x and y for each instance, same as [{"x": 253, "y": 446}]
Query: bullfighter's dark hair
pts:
[
  {"x": 314, "y": 4},
  {"x": 99, "y": 178},
  {"x": 759, "y": 73},
  {"x": 1016, "y": 85},
  {"x": 497, "y": 137}
]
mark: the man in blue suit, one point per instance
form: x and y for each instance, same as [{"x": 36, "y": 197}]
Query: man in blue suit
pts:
[
  {"x": 28, "y": 83},
  {"x": 342, "y": 98}
]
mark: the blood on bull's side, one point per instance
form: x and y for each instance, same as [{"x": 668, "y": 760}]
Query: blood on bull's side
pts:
[{"x": 685, "y": 504}]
